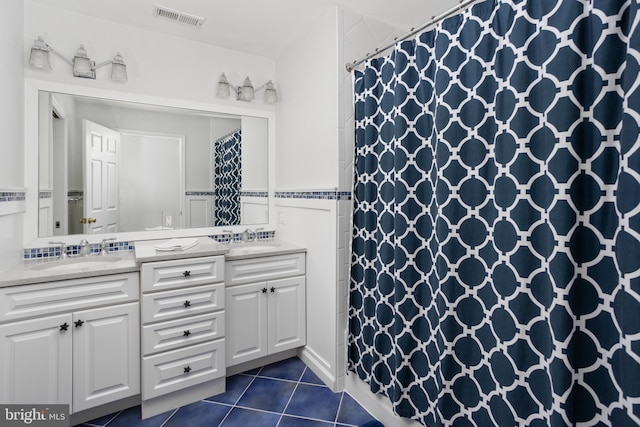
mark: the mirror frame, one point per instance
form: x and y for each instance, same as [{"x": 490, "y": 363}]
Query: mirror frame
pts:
[{"x": 31, "y": 169}]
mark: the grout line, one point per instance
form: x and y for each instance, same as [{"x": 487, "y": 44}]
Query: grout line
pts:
[
  {"x": 238, "y": 399},
  {"x": 335, "y": 421},
  {"x": 291, "y": 397},
  {"x": 114, "y": 417},
  {"x": 170, "y": 416}
]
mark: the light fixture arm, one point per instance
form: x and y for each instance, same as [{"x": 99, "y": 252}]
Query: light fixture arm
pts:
[
  {"x": 102, "y": 64},
  {"x": 58, "y": 54}
]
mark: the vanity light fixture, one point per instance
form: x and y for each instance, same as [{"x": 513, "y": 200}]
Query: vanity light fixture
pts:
[
  {"x": 246, "y": 92},
  {"x": 82, "y": 65}
]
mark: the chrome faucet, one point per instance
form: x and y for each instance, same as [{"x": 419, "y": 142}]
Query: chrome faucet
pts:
[
  {"x": 85, "y": 248},
  {"x": 104, "y": 246},
  {"x": 248, "y": 235},
  {"x": 63, "y": 249}
]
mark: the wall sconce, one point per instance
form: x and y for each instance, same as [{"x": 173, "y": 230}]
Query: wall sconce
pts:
[
  {"x": 82, "y": 65},
  {"x": 246, "y": 92}
]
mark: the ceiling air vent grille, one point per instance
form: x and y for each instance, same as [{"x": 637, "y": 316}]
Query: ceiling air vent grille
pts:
[{"x": 177, "y": 16}]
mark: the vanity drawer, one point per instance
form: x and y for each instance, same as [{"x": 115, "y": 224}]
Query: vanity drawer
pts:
[
  {"x": 264, "y": 268},
  {"x": 163, "y": 275},
  {"x": 178, "y": 369},
  {"x": 177, "y": 303},
  {"x": 182, "y": 332},
  {"x": 20, "y": 302}
]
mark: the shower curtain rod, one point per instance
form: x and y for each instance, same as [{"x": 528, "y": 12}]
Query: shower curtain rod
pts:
[
  {"x": 434, "y": 20},
  {"x": 228, "y": 134}
]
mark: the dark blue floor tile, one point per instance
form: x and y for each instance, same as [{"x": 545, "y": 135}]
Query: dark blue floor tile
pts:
[
  {"x": 198, "y": 414},
  {"x": 311, "y": 378},
  {"x": 236, "y": 385},
  {"x": 102, "y": 421},
  {"x": 289, "y": 369},
  {"x": 288, "y": 421},
  {"x": 352, "y": 413},
  {"x": 267, "y": 394},
  {"x": 239, "y": 417},
  {"x": 312, "y": 401},
  {"x": 132, "y": 418},
  {"x": 252, "y": 372}
]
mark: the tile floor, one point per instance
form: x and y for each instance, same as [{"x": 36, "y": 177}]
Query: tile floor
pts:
[{"x": 283, "y": 394}]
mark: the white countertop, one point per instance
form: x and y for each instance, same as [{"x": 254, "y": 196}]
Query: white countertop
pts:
[
  {"x": 261, "y": 248},
  {"x": 52, "y": 269},
  {"x": 28, "y": 272}
]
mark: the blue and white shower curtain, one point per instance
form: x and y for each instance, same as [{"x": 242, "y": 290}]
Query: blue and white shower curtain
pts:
[
  {"x": 495, "y": 272},
  {"x": 227, "y": 179}
]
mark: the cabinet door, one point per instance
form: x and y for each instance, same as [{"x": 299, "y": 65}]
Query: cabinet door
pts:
[
  {"x": 246, "y": 322},
  {"x": 287, "y": 314},
  {"x": 35, "y": 361},
  {"x": 106, "y": 355}
]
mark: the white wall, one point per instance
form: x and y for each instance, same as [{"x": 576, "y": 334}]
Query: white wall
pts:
[
  {"x": 157, "y": 64},
  {"x": 307, "y": 160},
  {"x": 11, "y": 123},
  {"x": 307, "y": 113},
  {"x": 148, "y": 186},
  {"x": 255, "y": 146}
]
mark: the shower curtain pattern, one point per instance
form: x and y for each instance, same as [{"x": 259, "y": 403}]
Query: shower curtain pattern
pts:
[
  {"x": 495, "y": 272},
  {"x": 227, "y": 179}
]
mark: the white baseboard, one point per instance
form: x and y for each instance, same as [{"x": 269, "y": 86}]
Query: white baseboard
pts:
[
  {"x": 378, "y": 405},
  {"x": 319, "y": 368}
]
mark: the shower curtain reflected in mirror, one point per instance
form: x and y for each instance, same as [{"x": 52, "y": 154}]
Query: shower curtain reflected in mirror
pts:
[
  {"x": 495, "y": 272},
  {"x": 227, "y": 179}
]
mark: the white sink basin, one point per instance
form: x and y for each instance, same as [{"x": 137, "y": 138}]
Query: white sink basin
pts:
[
  {"x": 249, "y": 248},
  {"x": 79, "y": 262}
]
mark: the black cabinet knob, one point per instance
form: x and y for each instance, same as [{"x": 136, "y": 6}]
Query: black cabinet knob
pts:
[
  {"x": 187, "y": 273},
  {"x": 264, "y": 290},
  {"x": 273, "y": 289},
  {"x": 186, "y": 333},
  {"x": 187, "y": 303},
  {"x": 64, "y": 326},
  {"x": 79, "y": 323},
  {"x": 187, "y": 369}
]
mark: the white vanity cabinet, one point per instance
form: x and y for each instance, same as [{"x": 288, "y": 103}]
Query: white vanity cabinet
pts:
[
  {"x": 183, "y": 332},
  {"x": 265, "y": 306},
  {"x": 71, "y": 342}
]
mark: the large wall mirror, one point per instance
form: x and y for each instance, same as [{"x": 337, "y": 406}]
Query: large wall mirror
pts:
[{"x": 107, "y": 165}]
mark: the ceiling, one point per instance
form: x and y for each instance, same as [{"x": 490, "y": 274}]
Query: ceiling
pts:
[{"x": 263, "y": 27}]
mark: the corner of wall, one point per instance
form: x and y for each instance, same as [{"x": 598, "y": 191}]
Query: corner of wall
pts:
[{"x": 11, "y": 123}]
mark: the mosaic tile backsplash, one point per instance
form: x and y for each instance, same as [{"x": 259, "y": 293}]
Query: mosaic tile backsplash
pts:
[
  {"x": 12, "y": 196},
  {"x": 322, "y": 195},
  {"x": 73, "y": 250}
]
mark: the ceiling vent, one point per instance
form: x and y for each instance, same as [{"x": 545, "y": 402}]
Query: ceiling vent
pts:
[{"x": 177, "y": 16}]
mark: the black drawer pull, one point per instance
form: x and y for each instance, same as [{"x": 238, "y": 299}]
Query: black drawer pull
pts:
[
  {"x": 187, "y": 303},
  {"x": 79, "y": 323},
  {"x": 187, "y": 369},
  {"x": 273, "y": 289},
  {"x": 64, "y": 326},
  {"x": 264, "y": 290},
  {"x": 186, "y": 333},
  {"x": 187, "y": 273}
]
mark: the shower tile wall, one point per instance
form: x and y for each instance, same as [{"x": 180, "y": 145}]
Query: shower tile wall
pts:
[{"x": 359, "y": 34}]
